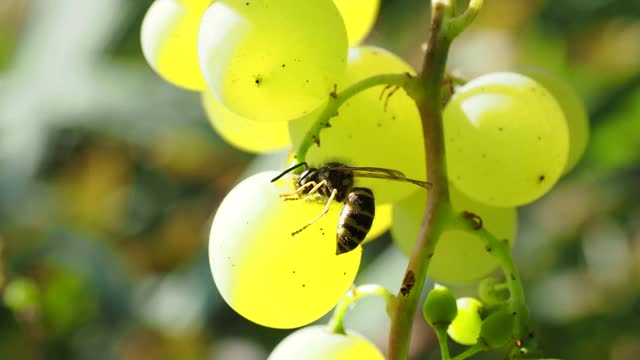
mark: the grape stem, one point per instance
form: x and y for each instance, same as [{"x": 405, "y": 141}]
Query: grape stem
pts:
[
  {"x": 469, "y": 352},
  {"x": 441, "y": 333},
  {"x": 445, "y": 26},
  {"x": 336, "y": 324},
  {"x": 405, "y": 81},
  {"x": 502, "y": 251}
]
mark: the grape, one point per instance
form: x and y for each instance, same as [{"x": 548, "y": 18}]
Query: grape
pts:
[
  {"x": 272, "y": 60},
  {"x": 263, "y": 272},
  {"x": 244, "y": 134},
  {"x": 359, "y": 17},
  {"x": 497, "y": 328},
  {"x": 465, "y": 328},
  {"x": 440, "y": 307},
  {"x": 364, "y": 134},
  {"x": 318, "y": 343},
  {"x": 381, "y": 222},
  {"x": 460, "y": 256},
  {"x": 574, "y": 112},
  {"x": 506, "y": 139},
  {"x": 169, "y": 38}
]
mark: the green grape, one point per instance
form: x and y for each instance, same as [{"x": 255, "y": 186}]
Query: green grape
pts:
[
  {"x": 573, "y": 109},
  {"x": 497, "y": 329},
  {"x": 272, "y": 60},
  {"x": 506, "y": 139},
  {"x": 440, "y": 307},
  {"x": 359, "y": 17},
  {"x": 364, "y": 134},
  {"x": 265, "y": 273},
  {"x": 381, "y": 222},
  {"x": 460, "y": 256},
  {"x": 169, "y": 38},
  {"x": 251, "y": 136},
  {"x": 465, "y": 328},
  {"x": 21, "y": 294},
  {"x": 318, "y": 343}
]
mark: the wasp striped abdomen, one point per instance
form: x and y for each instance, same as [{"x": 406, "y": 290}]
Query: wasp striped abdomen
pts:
[{"x": 356, "y": 219}]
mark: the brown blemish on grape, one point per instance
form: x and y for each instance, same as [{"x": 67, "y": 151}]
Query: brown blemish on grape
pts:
[
  {"x": 258, "y": 80},
  {"x": 476, "y": 220},
  {"x": 284, "y": 65},
  {"x": 408, "y": 283},
  {"x": 500, "y": 129},
  {"x": 304, "y": 285},
  {"x": 484, "y": 156},
  {"x": 316, "y": 140},
  {"x": 344, "y": 273},
  {"x": 294, "y": 271},
  {"x": 541, "y": 178}
]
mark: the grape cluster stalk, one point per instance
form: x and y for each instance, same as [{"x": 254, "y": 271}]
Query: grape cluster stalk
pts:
[{"x": 276, "y": 74}]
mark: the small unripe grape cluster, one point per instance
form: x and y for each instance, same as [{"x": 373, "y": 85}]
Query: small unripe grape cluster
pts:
[{"x": 284, "y": 248}]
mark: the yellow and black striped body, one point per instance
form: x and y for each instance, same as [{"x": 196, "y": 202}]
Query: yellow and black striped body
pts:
[{"x": 356, "y": 219}]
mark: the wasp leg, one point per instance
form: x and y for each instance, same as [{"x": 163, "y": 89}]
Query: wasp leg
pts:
[
  {"x": 324, "y": 211},
  {"x": 289, "y": 197}
]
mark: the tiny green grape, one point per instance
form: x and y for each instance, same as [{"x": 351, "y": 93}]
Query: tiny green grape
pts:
[
  {"x": 169, "y": 38},
  {"x": 359, "y": 17},
  {"x": 318, "y": 343},
  {"x": 506, "y": 139},
  {"x": 460, "y": 256},
  {"x": 21, "y": 294},
  {"x": 497, "y": 329},
  {"x": 251, "y": 136},
  {"x": 440, "y": 307},
  {"x": 265, "y": 273},
  {"x": 465, "y": 328},
  {"x": 272, "y": 60}
]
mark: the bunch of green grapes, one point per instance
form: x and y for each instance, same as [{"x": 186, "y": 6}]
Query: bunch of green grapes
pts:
[
  {"x": 460, "y": 256},
  {"x": 318, "y": 343}
]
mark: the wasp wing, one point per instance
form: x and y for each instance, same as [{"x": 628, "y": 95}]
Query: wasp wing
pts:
[
  {"x": 355, "y": 169},
  {"x": 424, "y": 184}
]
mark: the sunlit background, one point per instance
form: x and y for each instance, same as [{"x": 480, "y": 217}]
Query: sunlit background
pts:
[{"x": 109, "y": 178}]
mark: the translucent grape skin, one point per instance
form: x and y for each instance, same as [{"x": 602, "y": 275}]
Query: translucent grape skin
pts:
[
  {"x": 250, "y": 136},
  {"x": 169, "y": 38},
  {"x": 364, "y": 134},
  {"x": 574, "y": 111},
  {"x": 272, "y": 60},
  {"x": 506, "y": 139},
  {"x": 263, "y": 272},
  {"x": 318, "y": 343},
  {"x": 381, "y": 222},
  {"x": 359, "y": 17},
  {"x": 465, "y": 328},
  {"x": 460, "y": 256}
]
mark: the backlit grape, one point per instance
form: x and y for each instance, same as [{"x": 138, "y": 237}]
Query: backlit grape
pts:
[
  {"x": 574, "y": 112},
  {"x": 359, "y": 17},
  {"x": 263, "y": 272},
  {"x": 460, "y": 256},
  {"x": 506, "y": 139},
  {"x": 169, "y": 38},
  {"x": 318, "y": 343},
  {"x": 272, "y": 60},
  {"x": 364, "y": 134},
  {"x": 465, "y": 328},
  {"x": 251, "y": 136}
]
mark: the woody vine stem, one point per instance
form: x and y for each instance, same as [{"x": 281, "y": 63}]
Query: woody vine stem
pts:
[{"x": 445, "y": 26}]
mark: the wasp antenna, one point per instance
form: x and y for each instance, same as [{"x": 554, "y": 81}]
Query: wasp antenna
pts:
[{"x": 289, "y": 170}]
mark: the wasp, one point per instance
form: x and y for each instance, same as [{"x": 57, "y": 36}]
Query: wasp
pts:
[{"x": 335, "y": 182}]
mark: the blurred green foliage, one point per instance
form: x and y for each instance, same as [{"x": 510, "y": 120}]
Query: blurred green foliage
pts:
[{"x": 109, "y": 178}]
